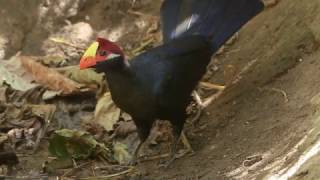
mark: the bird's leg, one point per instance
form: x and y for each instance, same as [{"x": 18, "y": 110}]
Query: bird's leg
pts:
[
  {"x": 143, "y": 128},
  {"x": 136, "y": 153},
  {"x": 177, "y": 128}
]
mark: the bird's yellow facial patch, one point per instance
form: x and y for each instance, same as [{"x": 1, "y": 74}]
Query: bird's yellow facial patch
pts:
[{"x": 89, "y": 57}]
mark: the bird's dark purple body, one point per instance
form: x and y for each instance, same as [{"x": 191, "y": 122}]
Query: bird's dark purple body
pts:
[{"x": 158, "y": 83}]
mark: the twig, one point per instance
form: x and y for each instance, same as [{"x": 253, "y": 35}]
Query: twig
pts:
[
  {"x": 66, "y": 43},
  {"x": 109, "y": 176},
  {"x": 93, "y": 172},
  {"x": 135, "y": 13},
  {"x": 200, "y": 107},
  {"x": 22, "y": 177},
  {"x": 284, "y": 94},
  {"x": 208, "y": 85},
  {"x": 76, "y": 168},
  {"x": 112, "y": 166},
  {"x": 211, "y": 98},
  {"x": 43, "y": 130},
  {"x": 197, "y": 98},
  {"x": 161, "y": 156}
]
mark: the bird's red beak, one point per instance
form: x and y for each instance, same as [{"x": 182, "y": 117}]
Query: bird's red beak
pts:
[{"x": 89, "y": 57}]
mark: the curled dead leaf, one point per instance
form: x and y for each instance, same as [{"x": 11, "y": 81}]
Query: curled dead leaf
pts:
[
  {"x": 106, "y": 113},
  {"x": 49, "y": 77}
]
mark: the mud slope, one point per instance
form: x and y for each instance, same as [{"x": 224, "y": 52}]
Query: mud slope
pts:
[
  {"x": 266, "y": 123},
  {"x": 268, "y": 117}
]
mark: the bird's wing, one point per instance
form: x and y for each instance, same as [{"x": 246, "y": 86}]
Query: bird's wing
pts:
[{"x": 216, "y": 19}]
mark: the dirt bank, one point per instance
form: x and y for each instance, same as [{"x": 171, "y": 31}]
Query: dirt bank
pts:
[{"x": 266, "y": 123}]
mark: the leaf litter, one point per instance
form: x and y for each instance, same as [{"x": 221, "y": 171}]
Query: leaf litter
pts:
[
  {"x": 40, "y": 96},
  {"x": 30, "y": 88}
]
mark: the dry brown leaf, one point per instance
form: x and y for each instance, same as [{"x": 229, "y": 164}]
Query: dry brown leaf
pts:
[
  {"x": 49, "y": 77},
  {"x": 106, "y": 113}
]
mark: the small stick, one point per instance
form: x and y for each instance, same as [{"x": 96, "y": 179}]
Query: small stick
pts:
[
  {"x": 66, "y": 43},
  {"x": 211, "y": 98},
  {"x": 112, "y": 166},
  {"x": 109, "y": 176},
  {"x": 208, "y": 85},
  {"x": 161, "y": 156},
  {"x": 135, "y": 13},
  {"x": 73, "y": 169},
  {"x": 284, "y": 94},
  {"x": 197, "y": 98},
  {"x": 93, "y": 172},
  {"x": 200, "y": 107}
]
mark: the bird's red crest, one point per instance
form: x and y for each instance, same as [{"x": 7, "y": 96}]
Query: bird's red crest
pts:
[{"x": 99, "y": 51}]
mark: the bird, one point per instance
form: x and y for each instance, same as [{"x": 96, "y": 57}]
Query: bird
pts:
[{"x": 157, "y": 84}]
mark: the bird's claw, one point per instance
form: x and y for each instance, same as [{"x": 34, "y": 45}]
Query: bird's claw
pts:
[{"x": 176, "y": 156}]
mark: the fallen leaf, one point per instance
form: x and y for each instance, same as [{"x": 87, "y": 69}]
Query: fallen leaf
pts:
[
  {"x": 124, "y": 128},
  {"x": 53, "y": 61},
  {"x": 49, "y": 77},
  {"x": 86, "y": 76},
  {"x": 3, "y": 138},
  {"x": 26, "y": 123},
  {"x": 72, "y": 144},
  {"x": 121, "y": 153},
  {"x": 14, "y": 80},
  {"x": 55, "y": 164},
  {"x": 106, "y": 113}
]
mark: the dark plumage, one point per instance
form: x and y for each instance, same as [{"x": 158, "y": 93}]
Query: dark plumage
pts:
[{"x": 157, "y": 84}]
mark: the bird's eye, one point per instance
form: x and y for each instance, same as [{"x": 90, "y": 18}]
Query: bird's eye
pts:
[{"x": 103, "y": 53}]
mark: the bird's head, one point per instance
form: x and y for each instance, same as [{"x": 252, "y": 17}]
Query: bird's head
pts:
[{"x": 100, "y": 54}]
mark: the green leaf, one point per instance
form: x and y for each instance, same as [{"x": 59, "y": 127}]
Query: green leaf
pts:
[
  {"x": 121, "y": 153},
  {"x": 66, "y": 143}
]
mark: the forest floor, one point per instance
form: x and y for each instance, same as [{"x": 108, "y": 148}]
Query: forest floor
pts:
[{"x": 264, "y": 125}]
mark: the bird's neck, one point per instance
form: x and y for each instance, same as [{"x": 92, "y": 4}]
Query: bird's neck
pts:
[{"x": 120, "y": 77}]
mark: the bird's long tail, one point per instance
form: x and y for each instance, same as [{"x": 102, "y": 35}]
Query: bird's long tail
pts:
[{"x": 216, "y": 19}]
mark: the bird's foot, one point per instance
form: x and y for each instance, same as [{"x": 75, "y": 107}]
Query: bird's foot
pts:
[{"x": 176, "y": 156}]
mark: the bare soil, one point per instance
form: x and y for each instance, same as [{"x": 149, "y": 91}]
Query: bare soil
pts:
[{"x": 266, "y": 121}]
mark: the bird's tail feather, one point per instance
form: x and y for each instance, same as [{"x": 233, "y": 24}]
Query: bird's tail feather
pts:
[{"x": 216, "y": 19}]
